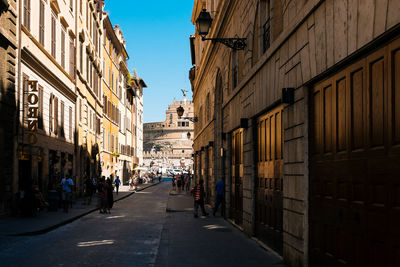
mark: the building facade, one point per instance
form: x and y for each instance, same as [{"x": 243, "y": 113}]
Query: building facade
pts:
[
  {"x": 68, "y": 100},
  {"x": 89, "y": 105},
  {"x": 302, "y": 125},
  {"x": 8, "y": 104},
  {"x": 139, "y": 84},
  {"x": 112, "y": 49},
  {"x": 45, "y": 95},
  {"x": 168, "y": 144}
]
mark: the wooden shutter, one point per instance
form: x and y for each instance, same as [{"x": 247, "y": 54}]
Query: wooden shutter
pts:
[
  {"x": 70, "y": 123},
  {"x": 71, "y": 57},
  {"x": 41, "y": 23},
  {"x": 53, "y": 36},
  {"x": 40, "y": 119},
  {"x": 63, "y": 48},
  {"x": 27, "y": 14},
  {"x": 62, "y": 131},
  {"x": 51, "y": 106},
  {"x": 56, "y": 115}
]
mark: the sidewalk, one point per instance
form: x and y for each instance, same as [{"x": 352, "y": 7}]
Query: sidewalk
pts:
[
  {"x": 207, "y": 241},
  {"x": 46, "y": 221}
]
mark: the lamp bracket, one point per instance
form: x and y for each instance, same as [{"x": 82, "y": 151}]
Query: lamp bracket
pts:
[
  {"x": 192, "y": 119},
  {"x": 233, "y": 43}
]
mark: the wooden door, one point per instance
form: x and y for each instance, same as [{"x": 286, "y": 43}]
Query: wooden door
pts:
[
  {"x": 269, "y": 182},
  {"x": 355, "y": 164},
  {"x": 209, "y": 187},
  {"x": 236, "y": 208}
]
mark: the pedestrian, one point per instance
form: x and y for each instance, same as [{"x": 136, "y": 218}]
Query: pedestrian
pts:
[
  {"x": 188, "y": 182},
  {"x": 183, "y": 177},
  {"x": 109, "y": 193},
  {"x": 130, "y": 182},
  {"x": 117, "y": 183},
  {"x": 173, "y": 183},
  {"x": 101, "y": 195},
  {"x": 198, "y": 195},
  {"x": 219, "y": 199},
  {"x": 66, "y": 184},
  {"x": 179, "y": 182},
  {"x": 88, "y": 189}
]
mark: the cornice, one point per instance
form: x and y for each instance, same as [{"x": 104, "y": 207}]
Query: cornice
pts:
[{"x": 37, "y": 66}]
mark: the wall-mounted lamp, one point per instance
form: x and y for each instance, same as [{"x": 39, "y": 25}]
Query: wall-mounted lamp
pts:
[
  {"x": 244, "y": 123},
  {"x": 180, "y": 110},
  {"x": 288, "y": 95},
  {"x": 188, "y": 135},
  {"x": 203, "y": 24}
]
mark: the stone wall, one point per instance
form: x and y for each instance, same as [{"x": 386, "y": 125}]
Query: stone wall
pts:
[
  {"x": 310, "y": 39},
  {"x": 8, "y": 53}
]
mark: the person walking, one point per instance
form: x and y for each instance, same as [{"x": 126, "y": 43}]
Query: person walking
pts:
[
  {"x": 179, "y": 182},
  {"x": 198, "y": 195},
  {"x": 219, "y": 199},
  {"x": 173, "y": 183},
  {"x": 109, "y": 193},
  {"x": 130, "y": 182},
  {"x": 67, "y": 184},
  {"x": 117, "y": 183},
  {"x": 88, "y": 188}
]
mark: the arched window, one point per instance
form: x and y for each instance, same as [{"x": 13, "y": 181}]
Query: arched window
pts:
[
  {"x": 235, "y": 69},
  {"x": 265, "y": 20}
]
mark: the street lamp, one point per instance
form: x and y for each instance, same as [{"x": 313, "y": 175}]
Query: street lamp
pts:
[
  {"x": 188, "y": 135},
  {"x": 180, "y": 110},
  {"x": 203, "y": 24}
]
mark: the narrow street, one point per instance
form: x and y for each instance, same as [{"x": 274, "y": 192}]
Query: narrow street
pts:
[{"x": 139, "y": 232}]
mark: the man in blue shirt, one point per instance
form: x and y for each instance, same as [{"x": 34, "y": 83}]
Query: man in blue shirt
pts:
[
  {"x": 219, "y": 199},
  {"x": 67, "y": 184}
]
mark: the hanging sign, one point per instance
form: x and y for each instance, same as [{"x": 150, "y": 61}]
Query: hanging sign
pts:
[{"x": 33, "y": 112}]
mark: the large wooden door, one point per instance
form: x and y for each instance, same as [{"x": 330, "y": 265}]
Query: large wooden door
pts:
[
  {"x": 269, "y": 182},
  {"x": 210, "y": 177},
  {"x": 355, "y": 164},
  {"x": 236, "y": 207}
]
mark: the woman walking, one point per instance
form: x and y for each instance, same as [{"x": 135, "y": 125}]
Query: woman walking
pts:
[{"x": 109, "y": 193}]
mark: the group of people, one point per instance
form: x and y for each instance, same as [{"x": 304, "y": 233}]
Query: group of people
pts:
[
  {"x": 181, "y": 182},
  {"x": 103, "y": 189},
  {"x": 198, "y": 193}
]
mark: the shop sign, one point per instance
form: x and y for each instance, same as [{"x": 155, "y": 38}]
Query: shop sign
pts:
[{"x": 33, "y": 112}]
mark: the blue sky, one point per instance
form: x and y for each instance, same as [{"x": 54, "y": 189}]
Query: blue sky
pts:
[{"x": 157, "y": 40}]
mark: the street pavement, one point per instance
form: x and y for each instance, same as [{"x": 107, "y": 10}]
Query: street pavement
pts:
[
  {"x": 152, "y": 227},
  {"x": 46, "y": 221}
]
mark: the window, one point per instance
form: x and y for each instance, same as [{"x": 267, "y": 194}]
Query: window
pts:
[
  {"x": 51, "y": 117},
  {"x": 80, "y": 110},
  {"x": 63, "y": 47},
  {"x": 71, "y": 58},
  {"x": 208, "y": 107},
  {"x": 40, "y": 113},
  {"x": 27, "y": 14},
  {"x": 201, "y": 117},
  {"x": 87, "y": 67},
  {"x": 70, "y": 123},
  {"x": 265, "y": 23},
  {"x": 62, "y": 131},
  {"x": 53, "y": 36},
  {"x": 104, "y": 139},
  {"x": 41, "y": 23},
  {"x": 112, "y": 143},
  {"x": 81, "y": 57},
  {"x": 235, "y": 70}
]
